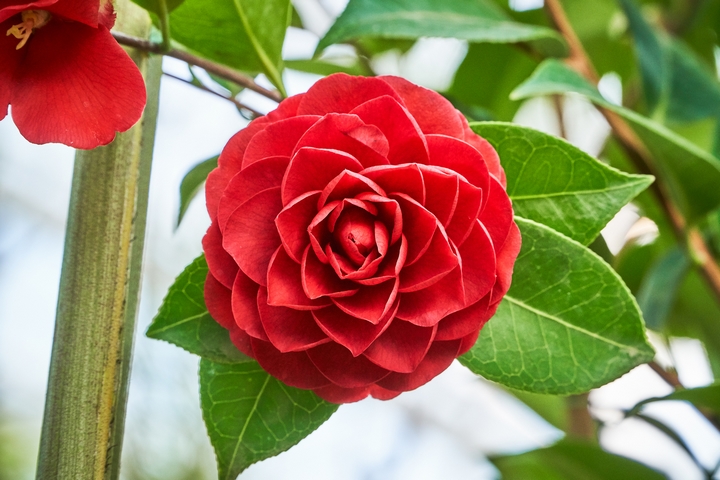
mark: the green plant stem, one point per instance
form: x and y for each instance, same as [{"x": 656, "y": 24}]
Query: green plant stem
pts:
[
  {"x": 165, "y": 25},
  {"x": 211, "y": 67},
  {"x": 98, "y": 299}
]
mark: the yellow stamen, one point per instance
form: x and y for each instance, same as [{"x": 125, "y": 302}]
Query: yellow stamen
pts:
[{"x": 31, "y": 20}]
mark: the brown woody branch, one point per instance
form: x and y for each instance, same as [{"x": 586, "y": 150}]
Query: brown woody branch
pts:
[{"x": 211, "y": 67}]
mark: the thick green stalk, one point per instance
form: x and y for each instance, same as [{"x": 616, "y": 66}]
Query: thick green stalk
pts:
[{"x": 99, "y": 294}]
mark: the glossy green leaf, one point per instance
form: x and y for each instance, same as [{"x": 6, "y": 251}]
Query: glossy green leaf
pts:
[
  {"x": 691, "y": 174},
  {"x": 660, "y": 286},
  {"x": 557, "y": 184},
  {"x": 154, "y": 5},
  {"x": 572, "y": 460},
  {"x": 251, "y": 416},
  {"x": 328, "y": 67},
  {"x": 568, "y": 324},
  {"x": 243, "y": 34},
  {"x": 472, "y": 20},
  {"x": 702, "y": 397},
  {"x": 183, "y": 319},
  {"x": 191, "y": 183}
]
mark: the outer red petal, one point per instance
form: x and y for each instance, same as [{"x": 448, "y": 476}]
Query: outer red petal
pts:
[
  {"x": 465, "y": 322},
  {"x": 278, "y": 139},
  {"x": 341, "y": 368},
  {"x": 441, "y": 192},
  {"x": 371, "y": 303},
  {"x": 438, "y": 358},
  {"x": 9, "y": 59},
  {"x": 250, "y": 235},
  {"x": 340, "y": 93},
  {"x": 245, "y": 309},
  {"x": 312, "y": 168},
  {"x": 84, "y": 11},
  {"x": 407, "y": 143},
  {"x": 293, "y": 221},
  {"x": 285, "y": 287},
  {"x": 76, "y": 86},
  {"x": 497, "y": 214},
  {"x": 352, "y": 333},
  {"x": 431, "y": 110},
  {"x": 294, "y": 369},
  {"x": 335, "y": 394},
  {"x": 218, "y": 302},
  {"x": 402, "y": 347},
  {"x": 427, "y": 307},
  {"x": 220, "y": 263},
  {"x": 405, "y": 179},
  {"x": 492, "y": 160},
  {"x": 478, "y": 264},
  {"x": 505, "y": 263},
  {"x": 433, "y": 265},
  {"x": 289, "y": 330},
  {"x": 459, "y": 157}
]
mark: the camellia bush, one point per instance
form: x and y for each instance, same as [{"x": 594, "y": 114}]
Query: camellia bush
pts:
[{"x": 368, "y": 232}]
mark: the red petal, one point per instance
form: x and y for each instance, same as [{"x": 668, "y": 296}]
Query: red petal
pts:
[
  {"x": 260, "y": 176},
  {"x": 341, "y": 368},
  {"x": 354, "y": 334},
  {"x": 311, "y": 169},
  {"x": 229, "y": 164},
  {"x": 292, "y": 224},
  {"x": 287, "y": 108},
  {"x": 405, "y": 179},
  {"x": 371, "y": 303},
  {"x": 382, "y": 394},
  {"x": 505, "y": 262},
  {"x": 432, "y": 111},
  {"x": 466, "y": 212},
  {"x": 347, "y": 185},
  {"x": 478, "y": 264},
  {"x": 9, "y": 59},
  {"x": 407, "y": 143},
  {"x": 76, "y": 86},
  {"x": 435, "y": 263},
  {"x": 289, "y": 330},
  {"x": 244, "y": 307},
  {"x": 220, "y": 263},
  {"x": 391, "y": 265},
  {"x": 389, "y": 213},
  {"x": 242, "y": 341},
  {"x": 250, "y": 235},
  {"x": 349, "y": 134},
  {"x": 459, "y": 157},
  {"x": 402, "y": 347},
  {"x": 464, "y": 322},
  {"x": 438, "y": 358},
  {"x": 10, "y": 8},
  {"x": 320, "y": 280},
  {"x": 294, "y": 368},
  {"x": 419, "y": 226},
  {"x": 335, "y": 394},
  {"x": 218, "y": 300},
  {"x": 278, "y": 139},
  {"x": 427, "y": 307},
  {"x": 490, "y": 156},
  {"x": 497, "y": 214},
  {"x": 467, "y": 342},
  {"x": 285, "y": 287},
  {"x": 441, "y": 192},
  {"x": 340, "y": 93},
  {"x": 84, "y": 11}
]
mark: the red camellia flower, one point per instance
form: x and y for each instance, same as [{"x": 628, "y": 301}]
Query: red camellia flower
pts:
[
  {"x": 67, "y": 79},
  {"x": 361, "y": 237}
]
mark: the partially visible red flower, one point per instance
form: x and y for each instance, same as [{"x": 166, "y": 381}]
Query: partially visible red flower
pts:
[
  {"x": 361, "y": 237},
  {"x": 66, "y": 78}
]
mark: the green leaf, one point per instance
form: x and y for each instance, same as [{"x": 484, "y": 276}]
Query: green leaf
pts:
[
  {"x": 328, "y": 67},
  {"x": 691, "y": 174},
  {"x": 557, "y": 184},
  {"x": 191, "y": 183},
  {"x": 488, "y": 74},
  {"x": 702, "y": 397},
  {"x": 472, "y": 20},
  {"x": 660, "y": 287},
  {"x": 243, "y": 34},
  {"x": 567, "y": 325},
  {"x": 251, "y": 416},
  {"x": 183, "y": 319},
  {"x": 572, "y": 460},
  {"x": 154, "y": 5}
]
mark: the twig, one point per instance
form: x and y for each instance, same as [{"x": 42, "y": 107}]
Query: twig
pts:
[
  {"x": 671, "y": 378},
  {"x": 638, "y": 153},
  {"x": 237, "y": 103},
  {"x": 212, "y": 67}
]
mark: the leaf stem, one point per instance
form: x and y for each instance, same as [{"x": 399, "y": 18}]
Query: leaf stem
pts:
[
  {"x": 165, "y": 25},
  {"x": 212, "y": 67},
  {"x": 638, "y": 154}
]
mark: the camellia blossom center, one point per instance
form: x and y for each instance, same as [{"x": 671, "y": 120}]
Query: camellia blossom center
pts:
[{"x": 31, "y": 20}]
